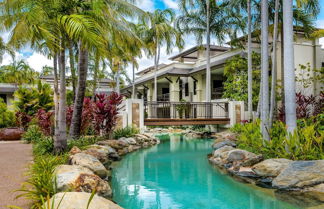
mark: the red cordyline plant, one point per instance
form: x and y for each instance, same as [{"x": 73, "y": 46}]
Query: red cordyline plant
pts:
[
  {"x": 23, "y": 119},
  {"x": 105, "y": 112},
  {"x": 45, "y": 121},
  {"x": 307, "y": 106},
  {"x": 87, "y": 114}
]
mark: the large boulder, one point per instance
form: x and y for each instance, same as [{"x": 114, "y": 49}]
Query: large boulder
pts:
[
  {"x": 299, "y": 174},
  {"x": 100, "y": 152},
  {"x": 228, "y": 156},
  {"x": 271, "y": 167},
  {"x": 79, "y": 200},
  {"x": 11, "y": 134},
  {"x": 223, "y": 143},
  {"x": 90, "y": 162},
  {"x": 80, "y": 179}
]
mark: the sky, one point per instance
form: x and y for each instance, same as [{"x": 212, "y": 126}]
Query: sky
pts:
[{"x": 37, "y": 61}]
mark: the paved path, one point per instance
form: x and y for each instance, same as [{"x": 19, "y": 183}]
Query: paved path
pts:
[{"x": 14, "y": 159}]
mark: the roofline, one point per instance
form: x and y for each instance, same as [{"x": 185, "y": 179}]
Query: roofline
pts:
[{"x": 195, "y": 48}]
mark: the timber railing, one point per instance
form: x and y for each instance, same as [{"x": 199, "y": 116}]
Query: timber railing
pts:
[{"x": 186, "y": 110}]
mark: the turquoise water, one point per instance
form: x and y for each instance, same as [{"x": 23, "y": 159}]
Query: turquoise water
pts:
[{"x": 176, "y": 175}]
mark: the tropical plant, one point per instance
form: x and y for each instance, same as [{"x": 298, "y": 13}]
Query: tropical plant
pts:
[
  {"x": 40, "y": 184},
  {"x": 125, "y": 132},
  {"x": 33, "y": 134},
  {"x": 159, "y": 31},
  {"x": 31, "y": 99},
  {"x": 207, "y": 19},
  {"x": 105, "y": 112},
  {"x": 7, "y": 118},
  {"x": 45, "y": 121},
  {"x": 182, "y": 108},
  {"x": 236, "y": 83},
  {"x": 19, "y": 73}
]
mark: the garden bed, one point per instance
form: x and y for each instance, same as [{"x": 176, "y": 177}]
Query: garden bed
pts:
[{"x": 299, "y": 182}]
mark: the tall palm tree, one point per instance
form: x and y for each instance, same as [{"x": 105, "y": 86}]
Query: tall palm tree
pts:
[
  {"x": 265, "y": 69},
  {"x": 274, "y": 64},
  {"x": 289, "y": 68},
  {"x": 250, "y": 95},
  {"x": 159, "y": 31},
  {"x": 205, "y": 19}
]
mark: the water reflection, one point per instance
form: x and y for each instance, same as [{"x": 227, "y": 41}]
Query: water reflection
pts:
[{"x": 176, "y": 174}]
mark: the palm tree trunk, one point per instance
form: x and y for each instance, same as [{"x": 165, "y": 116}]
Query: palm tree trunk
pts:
[
  {"x": 72, "y": 68},
  {"x": 250, "y": 95},
  {"x": 156, "y": 64},
  {"x": 118, "y": 80},
  {"x": 95, "y": 76},
  {"x": 208, "y": 74},
  {"x": 60, "y": 143},
  {"x": 274, "y": 65},
  {"x": 265, "y": 70},
  {"x": 80, "y": 92},
  {"x": 289, "y": 83},
  {"x": 56, "y": 97},
  {"x": 133, "y": 92}
]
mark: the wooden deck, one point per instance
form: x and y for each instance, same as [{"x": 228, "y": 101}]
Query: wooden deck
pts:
[{"x": 186, "y": 121}]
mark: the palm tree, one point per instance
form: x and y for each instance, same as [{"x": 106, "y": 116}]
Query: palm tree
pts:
[
  {"x": 289, "y": 68},
  {"x": 205, "y": 19},
  {"x": 158, "y": 31},
  {"x": 250, "y": 95},
  {"x": 265, "y": 70},
  {"x": 274, "y": 64}
]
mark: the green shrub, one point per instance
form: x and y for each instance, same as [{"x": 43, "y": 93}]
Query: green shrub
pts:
[
  {"x": 305, "y": 144},
  {"x": 40, "y": 184},
  {"x": 33, "y": 134},
  {"x": 43, "y": 146},
  {"x": 125, "y": 132},
  {"x": 83, "y": 142},
  {"x": 7, "y": 118}
]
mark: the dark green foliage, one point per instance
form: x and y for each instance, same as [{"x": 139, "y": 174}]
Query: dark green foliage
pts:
[
  {"x": 33, "y": 134},
  {"x": 83, "y": 142},
  {"x": 44, "y": 145},
  {"x": 236, "y": 84},
  {"x": 125, "y": 132},
  {"x": 7, "y": 118},
  {"x": 305, "y": 144}
]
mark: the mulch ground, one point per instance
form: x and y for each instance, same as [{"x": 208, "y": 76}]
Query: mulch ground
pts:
[{"x": 14, "y": 160}]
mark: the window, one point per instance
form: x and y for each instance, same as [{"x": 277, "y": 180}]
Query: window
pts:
[
  {"x": 165, "y": 90},
  {"x": 195, "y": 87},
  {"x": 322, "y": 64},
  {"x": 4, "y": 97},
  {"x": 187, "y": 89}
]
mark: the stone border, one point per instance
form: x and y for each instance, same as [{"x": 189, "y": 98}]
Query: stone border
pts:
[
  {"x": 298, "y": 182},
  {"x": 91, "y": 169}
]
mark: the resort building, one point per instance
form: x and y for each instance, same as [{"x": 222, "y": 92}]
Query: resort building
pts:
[
  {"x": 185, "y": 77},
  {"x": 181, "y": 85}
]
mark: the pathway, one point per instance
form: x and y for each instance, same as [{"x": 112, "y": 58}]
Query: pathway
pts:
[{"x": 14, "y": 159}]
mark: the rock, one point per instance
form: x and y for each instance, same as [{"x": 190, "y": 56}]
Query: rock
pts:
[
  {"x": 80, "y": 179},
  {"x": 228, "y": 156},
  {"x": 142, "y": 136},
  {"x": 116, "y": 144},
  {"x": 131, "y": 141},
  {"x": 89, "y": 162},
  {"x": 299, "y": 174},
  {"x": 223, "y": 143},
  {"x": 253, "y": 160},
  {"x": 239, "y": 155},
  {"x": 74, "y": 150},
  {"x": 271, "y": 167},
  {"x": 79, "y": 200},
  {"x": 219, "y": 152},
  {"x": 99, "y": 152},
  {"x": 11, "y": 134},
  {"x": 245, "y": 172},
  {"x": 220, "y": 155}
]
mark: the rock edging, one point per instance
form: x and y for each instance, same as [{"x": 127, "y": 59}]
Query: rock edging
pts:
[
  {"x": 298, "y": 182},
  {"x": 90, "y": 170}
]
